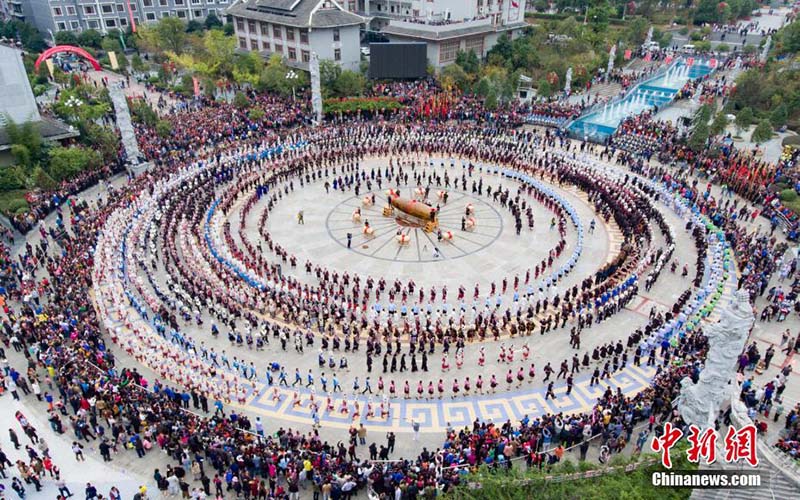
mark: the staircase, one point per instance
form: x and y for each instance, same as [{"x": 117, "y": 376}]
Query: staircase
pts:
[
  {"x": 777, "y": 481},
  {"x": 126, "y": 130}
]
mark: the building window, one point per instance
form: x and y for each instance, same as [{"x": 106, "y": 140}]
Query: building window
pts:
[
  {"x": 265, "y": 45},
  {"x": 178, "y": 2},
  {"x": 251, "y": 26},
  {"x": 62, "y": 26},
  {"x": 292, "y": 54},
  {"x": 123, "y": 21},
  {"x": 448, "y": 51},
  {"x": 147, "y": 3},
  {"x": 290, "y": 34},
  {"x": 74, "y": 25},
  {"x": 88, "y": 10},
  {"x": 182, "y": 14},
  {"x": 57, "y": 11},
  {"x": 242, "y": 42},
  {"x": 151, "y": 16},
  {"x": 303, "y": 35},
  {"x": 121, "y": 8},
  {"x": 163, "y": 3},
  {"x": 165, "y": 14},
  {"x": 276, "y": 31},
  {"x": 305, "y": 55},
  {"x": 254, "y": 44},
  {"x": 111, "y": 23},
  {"x": 337, "y": 54},
  {"x": 474, "y": 44},
  {"x": 279, "y": 49},
  {"x": 239, "y": 24},
  {"x": 336, "y": 35},
  {"x": 107, "y": 9},
  {"x": 133, "y": 7},
  {"x": 70, "y": 10},
  {"x": 93, "y": 24},
  {"x": 197, "y": 2},
  {"x": 264, "y": 29},
  {"x": 198, "y": 13}
]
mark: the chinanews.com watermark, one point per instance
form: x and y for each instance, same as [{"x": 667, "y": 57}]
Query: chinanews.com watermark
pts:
[{"x": 706, "y": 479}]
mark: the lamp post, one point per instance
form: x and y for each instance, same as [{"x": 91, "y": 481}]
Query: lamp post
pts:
[
  {"x": 73, "y": 104},
  {"x": 292, "y": 77}
]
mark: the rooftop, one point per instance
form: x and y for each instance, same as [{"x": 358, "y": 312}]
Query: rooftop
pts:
[
  {"x": 436, "y": 32},
  {"x": 298, "y": 13},
  {"x": 50, "y": 129}
]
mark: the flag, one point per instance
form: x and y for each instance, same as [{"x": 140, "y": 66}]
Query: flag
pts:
[
  {"x": 112, "y": 57},
  {"x": 647, "y": 57},
  {"x": 712, "y": 63},
  {"x": 667, "y": 59},
  {"x": 515, "y": 4},
  {"x": 627, "y": 54},
  {"x": 690, "y": 61}
]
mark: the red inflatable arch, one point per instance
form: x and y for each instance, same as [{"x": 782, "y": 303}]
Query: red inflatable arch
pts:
[{"x": 66, "y": 48}]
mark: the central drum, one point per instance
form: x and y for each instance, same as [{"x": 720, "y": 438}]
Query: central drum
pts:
[{"x": 412, "y": 213}]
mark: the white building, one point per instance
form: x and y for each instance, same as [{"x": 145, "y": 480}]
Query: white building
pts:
[
  {"x": 296, "y": 28},
  {"x": 102, "y": 15},
  {"x": 447, "y": 26}
]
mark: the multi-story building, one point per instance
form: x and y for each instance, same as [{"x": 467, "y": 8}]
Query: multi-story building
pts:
[
  {"x": 447, "y": 26},
  {"x": 102, "y": 15},
  {"x": 6, "y": 10},
  {"x": 297, "y": 28}
]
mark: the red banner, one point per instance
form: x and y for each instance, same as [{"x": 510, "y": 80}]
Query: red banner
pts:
[
  {"x": 196, "y": 83},
  {"x": 627, "y": 55}
]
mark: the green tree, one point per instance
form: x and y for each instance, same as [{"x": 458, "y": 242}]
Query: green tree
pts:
[
  {"x": 544, "y": 88},
  {"x": 212, "y": 21},
  {"x": 703, "y": 114},
  {"x": 102, "y": 139},
  {"x": 66, "y": 38},
  {"x": 329, "y": 72},
  {"x": 637, "y": 30},
  {"x": 163, "y": 128},
  {"x": 273, "y": 77},
  {"x": 789, "y": 38},
  {"x": 779, "y": 116},
  {"x": 167, "y": 35},
  {"x": 90, "y": 38},
  {"x": 255, "y": 114},
  {"x": 454, "y": 75},
  {"x": 247, "y": 67},
  {"x": 491, "y": 100},
  {"x": 707, "y": 12},
  {"x": 194, "y": 26},
  {"x": 138, "y": 64},
  {"x": 502, "y": 48},
  {"x": 699, "y": 137},
  {"x": 762, "y": 132},
  {"x": 719, "y": 124},
  {"x": 240, "y": 100},
  {"x": 744, "y": 119},
  {"x": 66, "y": 162},
  {"x": 468, "y": 61},
  {"x": 42, "y": 180},
  {"x": 27, "y": 136},
  {"x": 349, "y": 84}
]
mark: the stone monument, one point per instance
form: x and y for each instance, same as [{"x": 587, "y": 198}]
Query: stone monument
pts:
[
  {"x": 316, "y": 92},
  {"x": 699, "y": 403}
]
